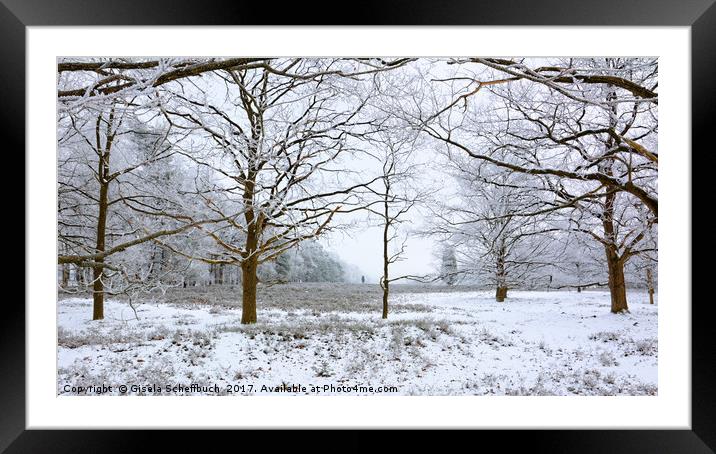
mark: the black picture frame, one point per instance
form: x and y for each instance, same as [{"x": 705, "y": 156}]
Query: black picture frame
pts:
[{"x": 16, "y": 15}]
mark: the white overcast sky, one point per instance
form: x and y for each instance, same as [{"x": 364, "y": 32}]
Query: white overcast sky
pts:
[
  {"x": 364, "y": 249},
  {"x": 359, "y": 241}
]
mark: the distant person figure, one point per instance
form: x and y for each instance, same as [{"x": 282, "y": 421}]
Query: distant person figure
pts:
[{"x": 362, "y": 279}]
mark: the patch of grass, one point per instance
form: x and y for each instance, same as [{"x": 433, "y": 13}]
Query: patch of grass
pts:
[
  {"x": 607, "y": 359},
  {"x": 303, "y": 328},
  {"x": 627, "y": 345},
  {"x": 592, "y": 382},
  {"x": 485, "y": 336},
  {"x": 323, "y": 369},
  {"x": 645, "y": 347},
  {"x": 606, "y": 336},
  {"x": 315, "y": 298},
  {"x": 107, "y": 336}
]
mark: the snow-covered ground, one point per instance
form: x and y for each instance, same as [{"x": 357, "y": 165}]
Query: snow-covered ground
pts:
[{"x": 434, "y": 343}]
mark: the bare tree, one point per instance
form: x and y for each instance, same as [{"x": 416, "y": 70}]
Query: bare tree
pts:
[
  {"x": 275, "y": 136},
  {"x": 397, "y": 193},
  {"x": 483, "y": 221},
  {"x": 107, "y": 202},
  {"x": 587, "y": 127}
]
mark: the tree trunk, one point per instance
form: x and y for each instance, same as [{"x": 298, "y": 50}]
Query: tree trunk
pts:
[
  {"x": 98, "y": 270},
  {"x": 386, "y": 257},
  {"x": 615, "y": 264},
  {"x": 65, "y": 269},
  {"x": 103, "y": 176},
  {"x": 85, "y": 273},
  {"x": 501, "y": 292},
  {"x": 249, "y": 282},
  {"x": 153, "y": 261},
  {"x": 250, "y": 262},
  {"x": 249, "y": 269},
  {"x": 617, "y": 286},
  {"x": 650, "y": 283},
  {"x": 385, "y": 283},
  {"x": 65, "y": 275}
]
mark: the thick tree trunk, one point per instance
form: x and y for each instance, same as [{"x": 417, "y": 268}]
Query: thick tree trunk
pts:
[
  {"x": 615, "y": 264},
  {"x": 249, "y": 277},
  {"x": 250, "y": 262},
  {"x": 501, "y": 294},
  {"x": 250, "y": 282},
  {"x": 617, "y": 286}
]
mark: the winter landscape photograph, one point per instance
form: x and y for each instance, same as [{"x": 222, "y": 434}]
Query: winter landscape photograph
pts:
[{"x": 410, "y": 226}]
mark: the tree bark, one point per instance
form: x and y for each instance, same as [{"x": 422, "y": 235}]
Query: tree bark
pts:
[
  {"x": 650, "y": 283},
  {"x": 250, "y": 262},
  {"x": 98, "y": 270},
  {"x": 386, "y": 257},
  {"x": 501, "y": 292},
  {"x": 65, "y": 275},
  {"x": 615, "y": 263},
  {"x": 249, "y": 283},
  {"x": 617, "y": 286},
  {"x": 103, "y": 177},
  {"x": 385, "y": 300}
]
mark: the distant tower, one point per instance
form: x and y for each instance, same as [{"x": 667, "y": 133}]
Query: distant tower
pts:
[{"x": 448, "y": 268}]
